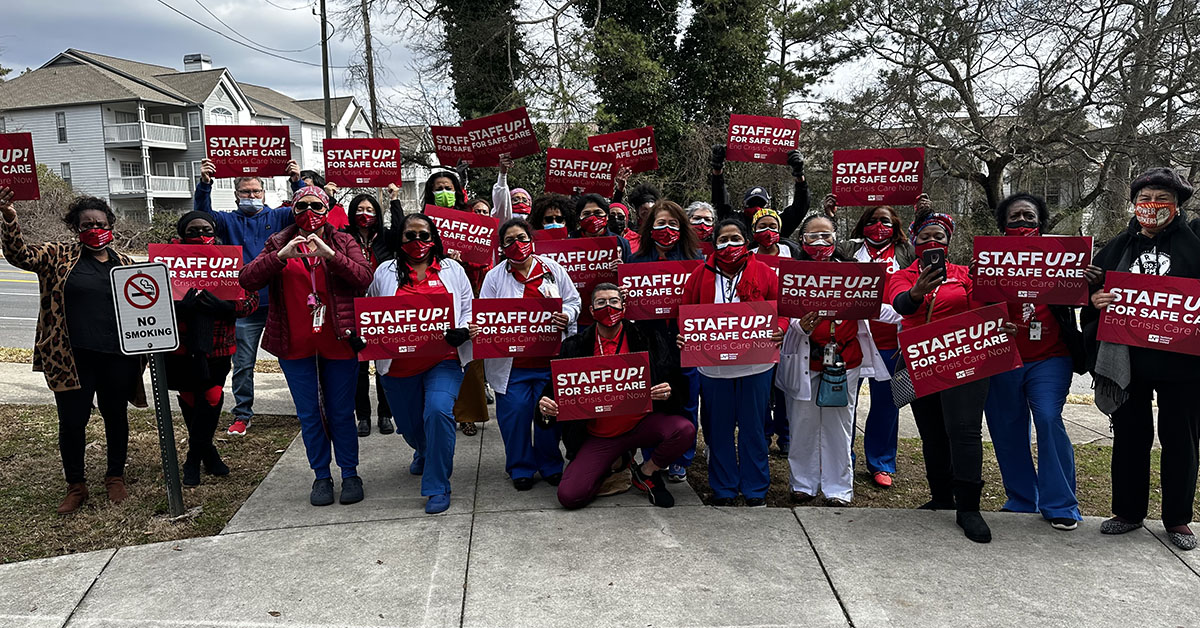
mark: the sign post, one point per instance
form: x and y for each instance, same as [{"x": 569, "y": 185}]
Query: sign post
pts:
[{"x": 146, "y": 325}]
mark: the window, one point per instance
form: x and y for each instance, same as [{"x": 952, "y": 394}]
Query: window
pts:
[
  {"x": 3, "y": 125},
  {"x": 64, "y": 170},
  {"x": 60, "y": 121},
  {"x": 220, "y": 115},
  {"x": 1053, "y": 192},
  {"x": 318, "y": 140},
  {"x": 131, "y": 169},
  {"x": 181, "y": 169},
  {"x": 156, "y": 118},
  {"x": 195, "y": 172},
  {"x": 194, "y": 126},
  {"x": 125, "y": 117},
  {"x": 161, "y": 169},
  {"x": 176, "y": 119}
]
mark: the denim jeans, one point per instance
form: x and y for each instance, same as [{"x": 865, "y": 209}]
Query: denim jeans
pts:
[{"x": 249, "y": 332}]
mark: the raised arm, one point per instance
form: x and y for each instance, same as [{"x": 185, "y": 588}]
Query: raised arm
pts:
[{"x": 36, "y": 258}]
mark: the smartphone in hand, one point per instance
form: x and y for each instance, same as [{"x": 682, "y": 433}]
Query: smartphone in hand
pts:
[{"x": 935, "y": 257}]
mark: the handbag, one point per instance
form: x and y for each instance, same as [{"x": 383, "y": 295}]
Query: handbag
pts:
[
  {"x": 903, "y": 392},
  {"x": 832, "y": 392}
]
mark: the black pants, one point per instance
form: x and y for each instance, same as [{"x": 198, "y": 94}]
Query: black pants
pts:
[
  {"x": 111, "y": 379},
  {"x": 951, "y": 427},
  {"x": 200, "y": 400},
  {"x": 362, "y": 397},
  {"x": 1133, "y": 438}
]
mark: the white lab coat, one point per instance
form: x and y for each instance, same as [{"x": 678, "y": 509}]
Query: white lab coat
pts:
[{"x": 793, "y": 376}]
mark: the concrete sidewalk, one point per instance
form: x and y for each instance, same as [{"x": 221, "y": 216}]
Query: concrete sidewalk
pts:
[{"x": 500, "y": 557}]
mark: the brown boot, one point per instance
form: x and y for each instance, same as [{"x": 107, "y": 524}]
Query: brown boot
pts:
[
  {"x": 115, "y": 484},
  {"x": 77, "y": 493}
]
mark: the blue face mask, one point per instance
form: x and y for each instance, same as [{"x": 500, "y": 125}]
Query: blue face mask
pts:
[
  {"x": 554, "y": 225},
  {"x": 250, "y": 206}
]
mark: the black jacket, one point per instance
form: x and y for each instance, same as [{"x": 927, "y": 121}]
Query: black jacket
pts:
[
  {"x": 1180, "y": 244},
  {"x": 1068, "y": 330},
  {"x": 790, "y": 218},
  {"x": 664, "y": 367},
  {"x": 379, "y": 246}
]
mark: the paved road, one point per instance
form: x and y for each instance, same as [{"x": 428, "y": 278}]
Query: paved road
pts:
[{"x": 18, "y": 306}]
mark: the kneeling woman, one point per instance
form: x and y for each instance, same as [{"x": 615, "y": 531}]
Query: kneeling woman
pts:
[
  {"x": 422, "y": 392},
  {"x": 593, "y": 446},
  {"x": 198, "y": 368},
  {"x": 814, "y": 351},
  {"x": 315, "y": 272},
  {"x": 736, "y": 397}
]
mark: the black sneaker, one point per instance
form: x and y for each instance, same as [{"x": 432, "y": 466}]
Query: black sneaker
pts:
[
  {"x": 553, "y": 479},
  {"x": 191, "y": 473},
  {"x": 756, "y": 502},
  {"x": 322, "y": 492},
  {"x": 352, "y": 490},
  {"x": 523, "y": 484},
  {"x": 364, "y": 427},
  {"x": 654, "y": 485},
  {"x": 721, "y": 502},
  {"x": 1064, "y": 523}
]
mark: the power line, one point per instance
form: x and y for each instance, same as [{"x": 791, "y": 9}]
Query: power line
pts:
[
  {"x": 242, "y": 43},
  {"x": 235, "y": 31},
  {"x": 306, "y": 6}
]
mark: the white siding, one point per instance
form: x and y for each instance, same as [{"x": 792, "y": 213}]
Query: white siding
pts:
[{"x": 84, "y": 148}]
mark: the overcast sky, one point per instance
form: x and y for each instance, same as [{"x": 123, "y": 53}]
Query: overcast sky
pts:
[{"x": 33, "y": 31}]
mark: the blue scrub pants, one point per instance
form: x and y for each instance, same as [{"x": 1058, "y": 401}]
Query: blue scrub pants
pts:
[
  {"x": 737, "y": 463},
  {"x": 528, "y": 449},
  {"x": 423, "y": 409},
  {"x": 338, "y": 381},
  {"x": 882, "y": 428}
]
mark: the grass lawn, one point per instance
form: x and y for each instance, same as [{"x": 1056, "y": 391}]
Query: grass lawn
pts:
[
  {"x": 25, "y": 356},
  {"x": 32, "y": 485},
  {"x": 909, "y": 489}
]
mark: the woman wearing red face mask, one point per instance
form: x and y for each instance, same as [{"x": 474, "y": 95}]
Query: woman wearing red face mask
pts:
[
  {"x": 701, "y": 217},
  {"x": 735, "y": 397},
  {"x": 315, "y": 272},
  {"x": 1129, "y": 379},
  {"x": 519, "y": 382},
  {"x": 198, "y": 368},
  {"x": 815, "y": 349},
  {"x": 423, "y": 390},
  {"x": 366, "y": 225},
  {"x": 951, "y": 421},
  {"x": 77, "y": 346},
  {"x": 764, "y": 229},
  {"x": 878, "y": 237},
  {"x": 593, "y": 221}
]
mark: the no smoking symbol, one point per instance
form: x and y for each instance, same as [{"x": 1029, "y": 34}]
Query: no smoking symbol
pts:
[{"x": 141, "y": 291}]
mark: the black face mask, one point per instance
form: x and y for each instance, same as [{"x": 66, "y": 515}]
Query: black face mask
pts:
[
  {"x": 1026, "y": 224},
  {"x": 616, "y": 225}
]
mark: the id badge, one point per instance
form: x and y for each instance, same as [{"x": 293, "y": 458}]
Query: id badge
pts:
[
  {"x": 830, "y": 357},
  {"x": 1035, "y": 330},
  {"x": 318, "y": 318}
]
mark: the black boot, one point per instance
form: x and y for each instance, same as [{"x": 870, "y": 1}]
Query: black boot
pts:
[
  {"x": 941, "y": 493},
  {"x": 191, "y": 464},
  {"x": 364, "y": 426},
  {"x": 213, "y": 464},
  {"x": 966, "y": 498}
]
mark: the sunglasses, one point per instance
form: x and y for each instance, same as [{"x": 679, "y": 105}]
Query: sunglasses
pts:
[
  {"x": 423, "y": 236},
  {"x": 520, "y": 238},
  {"x": 550, "y": 220},
  {"x": 201, "y": 231},
  {"x": 305, "y": 206}
]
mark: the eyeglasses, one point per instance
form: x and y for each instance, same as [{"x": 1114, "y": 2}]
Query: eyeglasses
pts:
[
  {"x": 199, "y": 231},
  {"x": 303, "y": 206},
  {"x": 93, "y": 225},
  {"x": 882, "y": 221},
  {"x": 818, "y": 236},
  {"x": 700, "y": 220},
  {"x": 613, "y": 301},
  {"x": 550, "y": 220},
  {"x": 592, "y": 212},
  {"x": 250, "y": 193},
  {"x": 423, "y": 236},
  {"x": 521, "y": 238}
]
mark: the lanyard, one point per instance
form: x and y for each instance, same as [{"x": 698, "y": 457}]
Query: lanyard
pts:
[
  {"x": 620, "y": 342},
  {"x": 727, "y": 293}
]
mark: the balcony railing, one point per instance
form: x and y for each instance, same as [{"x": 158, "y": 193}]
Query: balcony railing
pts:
[
  {"x": 167, "y": 186},
  {"x": 155, "y": 133}
]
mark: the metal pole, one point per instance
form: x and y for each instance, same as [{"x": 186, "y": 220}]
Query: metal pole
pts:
[
  {"x": 166, "y": 433},
  {"x": 325, "y": 72}
]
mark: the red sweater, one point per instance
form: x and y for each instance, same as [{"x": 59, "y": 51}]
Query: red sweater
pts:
[
  {"x": 759, "y": 283},
  {"x": 953, "y": 296}
]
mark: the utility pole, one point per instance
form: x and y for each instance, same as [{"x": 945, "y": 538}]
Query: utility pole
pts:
[
  {"x": 366, "y": 18},
  {"x": 325, "y": 71}
]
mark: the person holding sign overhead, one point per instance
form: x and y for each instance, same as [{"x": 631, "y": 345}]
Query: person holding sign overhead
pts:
[
  {"x": 519, "y": 382},
  {"x": 735, "y": 397},
  {"x": 77, "y": 346},
  {"x": 315, "y": 272},
  {"x": 248, "y": 227},
  {"x": 197, "y": 369},
  {"x": 1051, "y": 348},
  {"x": 1129, "y": 379},
  {"x": 879, "y": 237},
  {"x": 950, "y": 422},
  {"x": 594, "y": 446},
  {"x": 423, "y": 390},
  {"x": 756, "y": 197},
  {"x": 817, "y": 355}
]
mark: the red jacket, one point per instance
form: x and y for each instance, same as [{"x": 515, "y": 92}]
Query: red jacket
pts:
[
  {"x": 953, "y": 296},
  {"x": 759, "y": 283},
  {"x": 350, "y": 276}
]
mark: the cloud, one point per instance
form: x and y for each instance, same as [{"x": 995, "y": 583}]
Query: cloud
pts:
[{"x": 146, "y": 31}]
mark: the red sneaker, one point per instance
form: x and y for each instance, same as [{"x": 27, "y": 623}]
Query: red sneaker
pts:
[
  {"x": 238, "y": 428},
  {"x": 882, "y": 479}
]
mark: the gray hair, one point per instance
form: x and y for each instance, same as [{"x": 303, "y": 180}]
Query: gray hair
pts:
[
  {"x": 237, "y": 183},
  {"x": 698, "y": 205}
]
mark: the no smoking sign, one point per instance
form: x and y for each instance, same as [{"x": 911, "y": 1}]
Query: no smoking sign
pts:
[{"x": 145, "y": 320}]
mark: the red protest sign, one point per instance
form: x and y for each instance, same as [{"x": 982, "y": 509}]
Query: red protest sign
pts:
[
  {"x": 515, "y": 328},
  {"x": 407, "y": 326},
  {"x": 559, "y": 233},
  {"x": 1046, "y": 269},
  {"x": 602, "y": 386},
  {"x": 837, "y": 290},
  {"x": 18, "y": 168},
  {"x": 362, "y": 161},
  {"x": 761, "y": 138},
  {"x": 242, "y": 149},
  {"x": 724, "y": 334},
  {"x": 201, "y": 266},
  {"x": 469, "y": 233},
  {"x": 588, "y": 261},
  {"x": 451, "y": 144},
  {"x": 878, "y": 176},
  {"x": 587, "y": 171},
  {"x": 960, "y": 349},
  {"x": 509, "y": 132},
  {"x": 634, "y": 148},
  {"x": 655, "y": 289},
  {"x": 1156, "y": 313}
]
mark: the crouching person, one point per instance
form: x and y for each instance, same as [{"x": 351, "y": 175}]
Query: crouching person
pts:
[{"x": 594, "y": 446}]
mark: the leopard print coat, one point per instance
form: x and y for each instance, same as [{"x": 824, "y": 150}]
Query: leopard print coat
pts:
[{"x": 53, "y": 262}]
